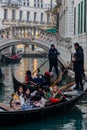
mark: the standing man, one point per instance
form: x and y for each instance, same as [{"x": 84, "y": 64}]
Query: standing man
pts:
[
  {"x": 78, "y": 66},
  {"x": 53, "y": 61}
]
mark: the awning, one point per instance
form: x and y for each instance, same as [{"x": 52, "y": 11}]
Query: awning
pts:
[{"x": 51, "y": 30}]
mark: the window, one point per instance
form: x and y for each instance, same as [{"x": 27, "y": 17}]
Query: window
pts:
[
  {"x": 34, "y": 3},
  {"x": 41, "y": 3},
  {"x": 5, "y": 13},
  {"x": 81, "y": 16},
  {"x": 35, "y": 16},
  {"x": 13, "y": 15},
  {"x": 85, "y": 15},
  {"x": 79, "y": 19},
  {"x": 28, "y": 16},
  {"x": 74, "y": 20},
  {"x": 48, "y": 18},
  {"x": 26, "y": 3},
  {"x": 41, "y": 17},
  {"x": 21, "y": 15}
]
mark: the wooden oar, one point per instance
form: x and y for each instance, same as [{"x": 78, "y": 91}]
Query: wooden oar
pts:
[
  {"x": 5, "y": 107},
  {"x": 58, "y": 79},
  {"x": 40, "y": 66},
  {"x": 67, "y": 86}
]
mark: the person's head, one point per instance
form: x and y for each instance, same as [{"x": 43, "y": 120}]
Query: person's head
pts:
[
  {"x": 52, "y": 46},
  {"x": 28, "y": 73},
  {"x": 40, "y": 87},
  {"x": 55, "y": 89},
  {"x": 38, "y": 75},
  {"x": 47, "y": 74},
  {"x": 76, "y": 46},
  {"x": 27, "y": 92},
  {"x": 20, "y": 90}
]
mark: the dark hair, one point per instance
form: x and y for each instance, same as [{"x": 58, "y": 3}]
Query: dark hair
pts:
[
  {"x": 52, "y": 45},
  {"x": 76, "y": 44},
  {"x": 28, "y": 73},
  {"x": 18, "y": 90}
]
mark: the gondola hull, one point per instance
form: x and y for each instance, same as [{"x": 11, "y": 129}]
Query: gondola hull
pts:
[
  {"x": 27, "y": 116},
  {"x": 9, "y": 60}
]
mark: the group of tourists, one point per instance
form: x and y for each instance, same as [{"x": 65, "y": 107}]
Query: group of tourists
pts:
[
  {"x": 41, "y": 97},
  {"x": 45, "y": 79}
]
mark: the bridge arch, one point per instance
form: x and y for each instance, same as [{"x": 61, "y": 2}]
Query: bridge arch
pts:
[{"x": 64, "y": 57}]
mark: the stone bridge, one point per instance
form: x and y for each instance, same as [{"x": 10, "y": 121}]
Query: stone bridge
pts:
[{"x": 65, "y": 55}]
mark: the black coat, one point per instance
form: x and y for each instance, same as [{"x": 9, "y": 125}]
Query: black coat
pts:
[
  {"x": 78, "y": 64},
  {"x": 53, "y": 55}
]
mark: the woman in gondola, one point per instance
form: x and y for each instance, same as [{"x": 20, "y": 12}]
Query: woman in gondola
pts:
[
  {"x": 17, "y": 100},
  {"x": 57, "y": 95}
]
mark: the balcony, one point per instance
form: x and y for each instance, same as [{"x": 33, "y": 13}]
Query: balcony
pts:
[{"x": 10, "y": 4}]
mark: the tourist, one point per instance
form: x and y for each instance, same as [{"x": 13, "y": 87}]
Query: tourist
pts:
[
  {"x": 78, "y": 66},
  {"x": 28, "y": 78},
  {"x": 53, "y": 60},
  {"x": 17, "y": 100},
  {"x": 57, "y": 95},
  {"x": 38, "y": 79},
  {"x": 38, "y": 99}
]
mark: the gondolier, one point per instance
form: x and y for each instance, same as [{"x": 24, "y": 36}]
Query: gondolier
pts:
[
  {"x": 78, "y": 66},
  {"x": 53, "y": 60}
]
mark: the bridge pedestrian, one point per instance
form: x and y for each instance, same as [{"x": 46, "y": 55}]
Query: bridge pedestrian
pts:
[
  {"x": 53, "y": 59},
  {"x": 78, "y": 66}
]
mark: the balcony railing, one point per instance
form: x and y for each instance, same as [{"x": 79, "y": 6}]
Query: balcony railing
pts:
[{"x": 10, "y": 4}]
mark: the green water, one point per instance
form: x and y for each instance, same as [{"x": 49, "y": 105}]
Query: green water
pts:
[{"x": 72, "y": 120}]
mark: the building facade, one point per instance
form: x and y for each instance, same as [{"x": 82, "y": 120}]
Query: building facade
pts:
[
  {"x": 26, "y": 12},
  {"x": 73, "y": 22}
]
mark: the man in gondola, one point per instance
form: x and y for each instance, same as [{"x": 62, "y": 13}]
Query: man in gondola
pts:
[
  {"x": 53, "y": 60},
  {"x": 78, "y": 66}
]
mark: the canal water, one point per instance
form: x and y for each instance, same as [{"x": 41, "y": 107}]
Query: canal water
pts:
[{"x": 72, "y": 120}]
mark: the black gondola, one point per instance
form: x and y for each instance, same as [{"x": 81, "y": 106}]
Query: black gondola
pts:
[
  {"x": 12, "y": 60},
  {"x": 34, "y": 114}
]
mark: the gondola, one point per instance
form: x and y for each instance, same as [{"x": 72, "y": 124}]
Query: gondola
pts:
[
  {"x": 12, "y": 60},
  {"x": 11, "y": 117}
]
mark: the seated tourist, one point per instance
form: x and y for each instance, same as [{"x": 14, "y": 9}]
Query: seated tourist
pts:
[
  {"x": 38, "y": 79},
  {"x": 17, "y": 100},
  {"x": 46, "y": 78},
  {"x": 27, "y": 100},
  {"x": 28, "y": 78},
  {"x": 39, "y": 99},
  {"x": 47, "y": 93},
  {"x": 57, "y": 95}
]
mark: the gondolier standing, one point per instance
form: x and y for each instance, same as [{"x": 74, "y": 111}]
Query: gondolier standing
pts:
[
  {"x": 53, "y": 60},
  {"x": 78, "y": 66}
]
